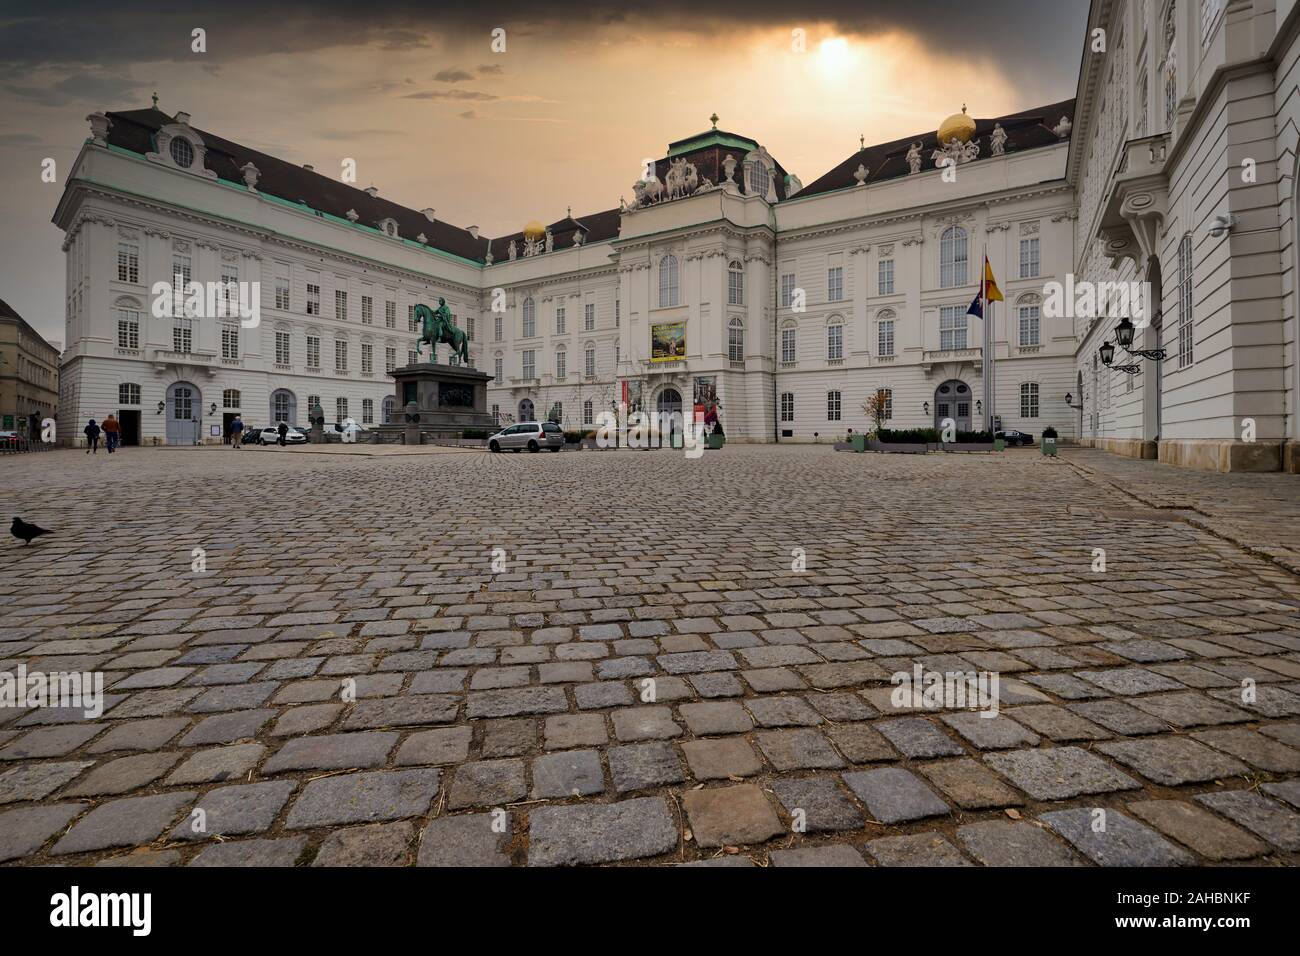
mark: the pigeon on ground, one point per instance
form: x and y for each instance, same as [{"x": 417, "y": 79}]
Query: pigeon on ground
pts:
[{"x": 21, "y": 529}]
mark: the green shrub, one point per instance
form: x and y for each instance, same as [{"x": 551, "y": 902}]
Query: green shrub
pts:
[
  {"x": 979, "y": 436},
  {"x": 908, "y": 436},
  {"x": 1049, "y": 432},
  {"x": 474, "y": 433}
]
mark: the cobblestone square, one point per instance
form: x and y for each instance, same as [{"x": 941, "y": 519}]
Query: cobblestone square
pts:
[{"x": 457, "y": 658}]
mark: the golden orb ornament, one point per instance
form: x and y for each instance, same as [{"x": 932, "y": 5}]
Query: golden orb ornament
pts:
[
  {"x": 534, "y": 230},
  {"x": 958, "y": 126}
]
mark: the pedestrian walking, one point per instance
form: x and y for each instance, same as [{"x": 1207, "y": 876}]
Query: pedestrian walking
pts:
[
  {"x": 283, "y": 430},
  {"x": 112, "y": 433},
  {"x": 92, "y": 437},
  {"x": 237, "y": 433}
]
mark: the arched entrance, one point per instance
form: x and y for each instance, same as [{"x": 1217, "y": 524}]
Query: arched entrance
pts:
[
  {"x": 669, "y": 407},
  {"x": 284, "y": 407},
  {"x": 526, "y": 410},
  {"x": 952, "y": 400},
  {"x": 184, "y": 406},
  {"x": 388, "y": 408}
]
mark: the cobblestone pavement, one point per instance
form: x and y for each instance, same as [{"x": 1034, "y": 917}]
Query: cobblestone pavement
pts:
[{"x": 648, "y": 680}]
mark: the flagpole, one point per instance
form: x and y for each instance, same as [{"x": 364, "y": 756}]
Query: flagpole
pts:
[{"x": 986, "y": 359}]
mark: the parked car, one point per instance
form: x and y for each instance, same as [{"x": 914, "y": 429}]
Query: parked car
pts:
[
  {"x": 1013, "y": 437},
  {"x": 252, "y": 435},
  {"x": 271, "y": 436},
  {"x": 531, "y": 435}
]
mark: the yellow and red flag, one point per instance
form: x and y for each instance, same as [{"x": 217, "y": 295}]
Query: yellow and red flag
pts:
[{"x": 991, "y": 291}]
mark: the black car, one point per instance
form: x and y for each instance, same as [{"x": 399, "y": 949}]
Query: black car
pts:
[{"x": 1013, "y": 437}]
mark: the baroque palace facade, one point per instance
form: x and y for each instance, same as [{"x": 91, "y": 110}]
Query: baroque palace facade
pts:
[{"x": 725, "y": 276}]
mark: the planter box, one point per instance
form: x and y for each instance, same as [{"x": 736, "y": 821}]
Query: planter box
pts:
[
  {"x": 714, "y": 441},
  {"x": 900, "y": 448},
  {"x": 999, "y": 444},
  {"x": 842, "y": 446},
  {"x": 963, "y": 446},
  {"x": 859, "y": 442},
  {"x": 1049, "y": 447}
]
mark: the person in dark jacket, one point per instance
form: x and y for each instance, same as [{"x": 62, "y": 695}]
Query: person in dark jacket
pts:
[
  {"x": 92, "y": 437},
  {"x": 236, "y": 432},
  {"x": 283, "y": 429}
]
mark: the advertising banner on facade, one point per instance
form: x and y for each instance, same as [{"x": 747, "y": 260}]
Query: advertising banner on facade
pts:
[{"x": 668, "y": 342}]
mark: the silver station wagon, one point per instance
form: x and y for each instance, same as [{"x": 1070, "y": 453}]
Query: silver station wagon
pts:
[{"x": 531, "y": 435}]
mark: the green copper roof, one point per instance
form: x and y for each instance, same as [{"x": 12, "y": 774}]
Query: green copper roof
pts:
[{"x": 713, "y": 137}]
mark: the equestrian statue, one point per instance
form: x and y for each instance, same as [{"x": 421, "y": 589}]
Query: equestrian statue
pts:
[{"x": 437, "y": 326}]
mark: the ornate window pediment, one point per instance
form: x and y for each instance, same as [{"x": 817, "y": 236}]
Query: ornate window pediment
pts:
[
  {"x": 760, "y": 174},
  {"x": 389, "y": 228},
  {"x": 178, "y": 146}
]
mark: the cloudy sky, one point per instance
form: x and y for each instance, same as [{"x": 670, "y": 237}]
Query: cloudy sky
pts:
[{"x": 564, "y": 116}]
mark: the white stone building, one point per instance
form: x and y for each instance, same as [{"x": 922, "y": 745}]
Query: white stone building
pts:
[
  {"x": 791, "y": 304},
  {"x": 1184, "y": 160}
]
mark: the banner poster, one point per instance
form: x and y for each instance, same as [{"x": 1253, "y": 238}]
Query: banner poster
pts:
[{"x": 668, "y": 342}]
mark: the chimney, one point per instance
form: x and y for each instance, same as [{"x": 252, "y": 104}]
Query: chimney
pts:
[
  {"x": 183, "y": 118},
  {"x": 372, "y": 191},
  {"x": 428, "y": 213},
  {"x": 309, "y": 167},
  {"x": 472, "y": 230}
]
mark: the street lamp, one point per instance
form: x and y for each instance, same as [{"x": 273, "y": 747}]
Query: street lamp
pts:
[
  {"x": 1124, "y": 333},
  {"x": 1107, "y": 353}
]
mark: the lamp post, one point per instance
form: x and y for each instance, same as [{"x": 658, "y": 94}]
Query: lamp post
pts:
[{"x": 1107, "y": 355}]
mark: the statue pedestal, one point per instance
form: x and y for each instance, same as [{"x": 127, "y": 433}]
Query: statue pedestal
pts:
[{"x": 448, "y": 399}]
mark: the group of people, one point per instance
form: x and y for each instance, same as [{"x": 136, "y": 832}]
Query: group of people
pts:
[{"x": 111, "y": 430}]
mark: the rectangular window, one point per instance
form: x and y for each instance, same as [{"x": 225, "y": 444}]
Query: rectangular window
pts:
[
  {"x": 832, "y": 406},
  {"x": 588, "y": 317},
  {"x": 411, "y": 324},
  {"x": 787, "y": 290},
  {"x": 560, "y": 363},
  {"x": 340, "y": 409},
  {"x": 390, "y": 359},
  {"x": 181, "y": 271},
  {"x": 367, "y": 358},
  {"x": 281, "y": 348},
  {"x": 496, "y": 329},
  {"x": 1185, "y": 352},
  {"x": 835, "y": 341},
  {"x": 469, "y": 328},
  {"x": 618, "y": 313},
  {"x": 313, "y": 299},
  {"x": 889, "y": 402},
  {"x": 952, "y": 327},
  {"x": 736, "y": 341},
  {"x": 530, "y": 321},
  {"x": 313, "y": 351},
  {"x": 587, "y": 412},
  {"x": 390, "y": 315},
  {"x": 787, "y": 406},
  {"x": 340, "y": 356},
  {"x": 282, "y": 293},
  {"x": 411, "y": 357},
  {"x": 788, "y": 345},
  {"x": 559, "y": 321},
  {"x": 1029, "y": 323},
  {"x": 735, "y": 285},
  {"x": 529, "y": 363},
  {"x": 128, "y": 262},
  {"x": 497, "y": 371},
  {"x": 367, "y": 310},
  {"x": 182, "y": 336},
  {"x": 1029, "y": 400},
  {"x": 230, "y": 288},
  {"x": 885, "y": 337},
  {"x": 589, "y": 362},
  {"x": 128, "y": 329},
  {"x": 367, "y": 411},
  {"x": 835, "y": 284},
  {"x": 230, "y": 341},
  {"x": 885, "y": 277},
  {"x": 1029, "y": 258}
]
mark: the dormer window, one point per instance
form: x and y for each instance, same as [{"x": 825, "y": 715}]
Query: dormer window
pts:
[
  {"x": 182, "y": 152},
  {"x": 388, "y": 227}
]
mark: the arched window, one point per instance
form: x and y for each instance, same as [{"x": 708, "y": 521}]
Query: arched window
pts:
[
  {"x": 128, "y": 393},
  {"x": 1029, "y": 400},
  {"x": 953, "y": 257},
  {"x": 230, "y": 398},
  {"x": 789, "y": 338},
  {"x": 735, "y": 283},
  {"x": 1185, "y": 356},
  {"x": 736, "y": 339},
  {"x": 668, "y": 284},
  {"x": 530, "y": 318},
  {"x": 758, "y": 178},
  {"x": 835, "y": 339}
]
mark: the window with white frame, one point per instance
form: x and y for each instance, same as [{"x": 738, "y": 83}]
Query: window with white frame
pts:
[
  {"x": 390, "y": 315},
  {"x": 557, "y": 412},
  {"x": 181, "y": 272},
  {"x": 885, "y": 277},
  {"x": 1185, "y": 352},
  {"x": 735, "y": 283},
  {"x": 889, "y": 402},
  {"x": 230, "y": 398},
  {"x": 1029, "y": 314},
  {"x": 128, "y": 393},
  {"x": 313, "y": 351},
  {"x": 1169, "y": 65},
  {"x": 128, "y": 328},
  {"x": 1029, "y": 262},
  {"x": 1028, "y": 399},
  {"x": 182, "y": 335},
  {"x": 588, "y": 317},
  {"x": 312, "y": 402},
  {"x": 561, "y": 360},
  {"x": 530, "y": 319},
  {"x": 367, "y": 411},
  {"x": 313, "y": 299},
  {"x": 469, "y": 328},
  {"x": 497, "y": 369},
  {"x": 367, "y": 358},
  {"x": 835, "y": 341},
  {"x": 833, "y": 406},
  {"x": 588, "y": 409},
  {"x": 128, "y": 262},
  {"x": 529, "y": 363},
  {"x": 559, "y": 320},
  {"x": 230, "y": 288},
  {"x": 669, "y": 291},
  {"x": 885, "y": 334},
  {"x": 340, "y": 356},
  {"x": 390, "y": 358},
  {"x": 589, "y": 362},
  {"x": 230, "y": 341},
  {"x": 952, "y": 327},
  {"x": 758, "y": 178},
  {"x": 788, "y": 337},
  {"x": 618, "y": 313},
  {"x": 953, "y": 257},
  {"x": 787, "y": 406},
  {"x": 787, "y": 290},
  {"x": 412, "y": 356},
  {"x": 835, "y": 284},
  {"x": 412, "y": 324},
  {"x": 340, "y": 409},
  {"x": 367, "y": 310},
  {"x": 736, "y": 340},
  {"x": 282, "y": 292},
  {"x": 281, "y": 403}
]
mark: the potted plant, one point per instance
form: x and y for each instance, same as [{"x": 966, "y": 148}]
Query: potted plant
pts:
[
  {"x": 877, "y": 409},
  {"x": 716, "y": 438},
  {"x": 971, "y": 441},
  {"x": 905, "y": 441},
  {"x": 1049, "y": 441}
]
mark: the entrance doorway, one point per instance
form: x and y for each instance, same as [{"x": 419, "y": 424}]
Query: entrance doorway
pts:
[
  {"x": 526, "y": 410},
  {"x": 184, "y": 404},
  {"x": 129, "y": 420},
  {"x": 226, "y": 419},
  {"x": 669, "y": 404},
  {"x": 952, "y": 400}
]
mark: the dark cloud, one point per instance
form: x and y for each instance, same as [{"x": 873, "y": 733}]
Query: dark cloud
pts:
[
  {"x": 469, "y": 115},
  {"x": 449, "y": 95},
  {"x": 488, "y": 69},
  {"x": 453, "y": 76}
]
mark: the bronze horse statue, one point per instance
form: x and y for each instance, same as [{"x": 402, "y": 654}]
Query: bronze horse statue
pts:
[{"x": 436, "y": 326}]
